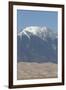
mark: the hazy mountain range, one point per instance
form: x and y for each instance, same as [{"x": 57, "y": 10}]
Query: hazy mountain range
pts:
[{"x": 37, "y": 44}]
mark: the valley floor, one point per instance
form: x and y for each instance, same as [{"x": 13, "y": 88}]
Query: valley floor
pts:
[{"x": 32, "y": 70}]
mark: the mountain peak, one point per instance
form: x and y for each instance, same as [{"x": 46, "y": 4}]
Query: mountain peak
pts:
[
  {"x": 41, "y": 32},
  {"x": 35, "y": 29}
]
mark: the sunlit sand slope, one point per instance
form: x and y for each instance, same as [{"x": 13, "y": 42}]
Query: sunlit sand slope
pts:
[{"x": 26, "y": 70}]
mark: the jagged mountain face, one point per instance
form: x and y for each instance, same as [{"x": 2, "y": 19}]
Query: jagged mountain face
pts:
[
  {"x": 41, "y": 32},
  {"x": 37, "y": 44}
]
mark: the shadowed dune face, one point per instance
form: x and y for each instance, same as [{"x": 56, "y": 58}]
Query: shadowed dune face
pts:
[{"x": 32, "y": 70}]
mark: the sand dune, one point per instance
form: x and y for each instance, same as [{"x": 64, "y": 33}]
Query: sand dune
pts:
[{"x": 26, "y": 70}]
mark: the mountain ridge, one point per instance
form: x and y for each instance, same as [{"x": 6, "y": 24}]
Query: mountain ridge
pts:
[
  {"x": 38, "y": 45},
  {"x": 41, "y": 32}
]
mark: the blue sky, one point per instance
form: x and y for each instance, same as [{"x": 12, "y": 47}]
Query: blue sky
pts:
[{"x": 26, "y": 18}]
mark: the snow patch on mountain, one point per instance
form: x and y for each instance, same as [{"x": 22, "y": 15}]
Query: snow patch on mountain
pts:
[{"x": 41, "y": 32}]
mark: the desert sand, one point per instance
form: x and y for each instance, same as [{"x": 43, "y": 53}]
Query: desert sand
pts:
[{"x": 32, "y": 70}]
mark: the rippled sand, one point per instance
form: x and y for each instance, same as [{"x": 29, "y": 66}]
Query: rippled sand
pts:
[{"x": 26, "y": 70}]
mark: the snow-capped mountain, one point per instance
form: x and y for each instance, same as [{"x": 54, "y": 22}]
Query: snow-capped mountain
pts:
[
  {"x": 41, "y": 32},
  {"x": 38, "y": 44}
]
